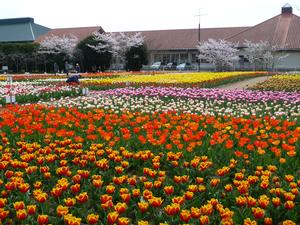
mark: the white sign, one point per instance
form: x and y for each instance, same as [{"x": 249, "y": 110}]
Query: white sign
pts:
[
  {"x": 85, "y": 91},
  {"x": 4, "y": 67},
  {"x": 9, "y": 79},
  {"x": 10, "y": 99}
]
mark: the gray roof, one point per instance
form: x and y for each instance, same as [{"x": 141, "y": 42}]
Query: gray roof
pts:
[{"x": 20, "y": 30}]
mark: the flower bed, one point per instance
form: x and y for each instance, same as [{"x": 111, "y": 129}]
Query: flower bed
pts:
[
  {"x": 177, "y": 79},
  {"x": 193, "y": 100},
  {"x": 30, "y": 77},
  {"x": 29, "y": 92},
  {"x": 280, "y": 83},
  {"x": 65, "y": 166}
]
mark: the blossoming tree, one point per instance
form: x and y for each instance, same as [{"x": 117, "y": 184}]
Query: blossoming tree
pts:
[
  {"x": 61, "y": 48},
  {"x": 57, "y": 45},
  {"x": 263, "y": 55},
  {"x": 118, "y": 44},
  {"x": 221, "y": 53}
]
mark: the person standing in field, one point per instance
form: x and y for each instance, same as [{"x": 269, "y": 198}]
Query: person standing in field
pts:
[
  {"x": 77, "y": 68},
  {"x": 55, "y": 68},
  {"x": 67, "y": 68}
]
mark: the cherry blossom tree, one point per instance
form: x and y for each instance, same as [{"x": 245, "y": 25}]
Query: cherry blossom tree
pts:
[
  {"x": 57, "y": 49},
  {"x": 221, "y": 53},
  {"x": 264, "y": 55},
  {"x": 59, "y": 45},
  {"x": 116, "y": 43}
]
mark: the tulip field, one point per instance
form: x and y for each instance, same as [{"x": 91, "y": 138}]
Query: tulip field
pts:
[
  {"x": 150, "y": 149},
  {"x": 281, "y": 83}
]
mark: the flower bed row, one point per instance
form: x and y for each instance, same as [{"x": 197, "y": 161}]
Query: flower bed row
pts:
[
  {"x": 196, "y": 101},
  {"x": 64, "y": 166},
  {"x": 30, "y": 77},
  {"x": 30, "y": 92},
  {"x": 179, "y": 79},
  {"x": 280, "y": 83},
  {"x": 202, "y": 93}
]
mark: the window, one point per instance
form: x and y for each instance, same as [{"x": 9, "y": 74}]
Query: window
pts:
[
  {"x": 243, "y": 59},
  {"x": 175, "y": 58},
  {"x": 195, "y": 58},
  {"x": 204, "y": 61},
  {"x": 183, "y": 57}
]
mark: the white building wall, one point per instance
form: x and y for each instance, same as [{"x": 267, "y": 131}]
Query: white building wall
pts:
[{"x": 291, "y": 62}]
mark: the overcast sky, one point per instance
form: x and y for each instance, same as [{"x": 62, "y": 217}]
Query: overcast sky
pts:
[{"x": 135, "y": 15}]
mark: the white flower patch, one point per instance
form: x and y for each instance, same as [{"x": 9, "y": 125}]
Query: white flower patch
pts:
[{"x": 147, "y": 104}]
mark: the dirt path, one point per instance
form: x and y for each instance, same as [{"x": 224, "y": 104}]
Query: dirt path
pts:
[{"x": 245, "y": 84}]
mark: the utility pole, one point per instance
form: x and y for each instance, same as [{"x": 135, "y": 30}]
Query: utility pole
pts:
[
  {"x": 199, "y": 15},
  {"x": 199, "y": 29}
]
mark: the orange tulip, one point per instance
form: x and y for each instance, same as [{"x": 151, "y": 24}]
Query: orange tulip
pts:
[
  {"x": 56, "y": 192},
  {"x": 3, "y": 213},
  {"x": 276, "y": 201},
  {"x": 21, "y": 214},
  {"x": 251, "y": 201},
  {"x": 62, "y": 210},
  {"x": 172, "y": 209},
  {"x": 3, "y": 202},
  {"x": 199, "y": 180},
  {"x": 169, "y": 190},
  {"x": 268, "y": 221},
  {"x": 76, "y": 179},
  {"x": 82, "y": 197},
  {"x": 248, "y": 221},
  {"x": 136, "y": 193},
  {"x": 123, "y": 221},
  {"x": 179, "y": 199},
  {"x": 107, "y": 205},
  {"x": 75, "y": 188},
  {"x": 97, "y": 183},
  {"x": 24, "y": 187},
  {"x": 258, "y": 213},
  {"x": 92, "y": 218},
  {"x": 214, "y": 182},
  {"x": 207, "y": 209},
  {"x": 126, "y": 197},
  {"x": 143, "y": 206},
  {"x": 105, "y": 198},
  {"x": 263, "y": 201},
  {"x": 288, "y": 222},
  {"x": 42, "y": 219},
  {"x": 185, "y": 215},
  {"x": 31, "y": 209},
  {"x": 195, "y": 212},
  {"x": 288, "y": 196},
  {"x": 110, "y": 189},
  {"x": 41, "y": 197},
  {"x": 289, "y": 205},
  {"x": 120, "y": 207},
  {"x": 70, "y": 202},
  {"x": 37, "y": 185},
  {"x": 19, "y": 205},
  {"x": 188, "y": 195},
  {"x": 147, "y": 194},
  {"x": 201, "y": 188},
  {"x": 112, "y": 217},
  {"x": 204, "y": 220}
]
